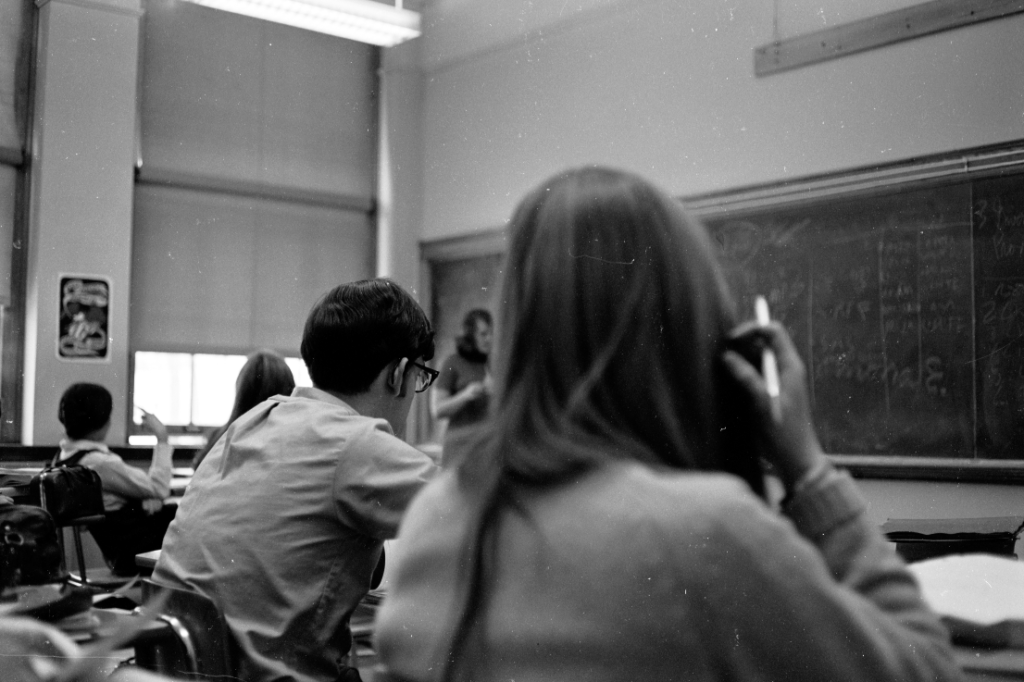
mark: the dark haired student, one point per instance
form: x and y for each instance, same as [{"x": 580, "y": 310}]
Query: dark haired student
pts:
[
  {"x": 284, "y": 522},
  {"x": 133, "y": 499}
]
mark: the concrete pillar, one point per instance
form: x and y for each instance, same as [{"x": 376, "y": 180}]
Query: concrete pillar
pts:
[
  {"x": 83, "y": 149},
  {"x": 400, "y": 185},
  {"x": 400, "y": 167}
]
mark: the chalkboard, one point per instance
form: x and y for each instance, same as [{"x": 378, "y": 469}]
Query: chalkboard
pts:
[
  {"x": 998, "y": 218},
  {"x": 908, "y": 308}
]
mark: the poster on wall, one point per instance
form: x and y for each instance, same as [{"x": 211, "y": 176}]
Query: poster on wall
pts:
[{"x": 82, "y": 327}]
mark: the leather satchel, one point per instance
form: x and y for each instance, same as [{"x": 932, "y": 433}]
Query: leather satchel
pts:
[
  {"x": 30, "y": 553},
  {"x": 69, "y": 490}
]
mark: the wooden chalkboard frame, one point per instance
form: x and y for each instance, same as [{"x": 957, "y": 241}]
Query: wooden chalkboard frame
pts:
[{"x": 863, "y": 182}]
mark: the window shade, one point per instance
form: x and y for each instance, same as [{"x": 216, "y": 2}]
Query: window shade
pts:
[
  {"x": 222, "y": 273},
  {"x": 259, "y": 148},
  {"x": 8, "y": 195},
  {"x": 228, "y": 96},
  {"x": 15, "y": 42},
  {"x": 15, "y": 39}
]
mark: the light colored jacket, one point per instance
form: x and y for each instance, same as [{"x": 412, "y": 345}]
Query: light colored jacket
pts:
[
  {"x": 121, "y": 481},
  {"x": 630, "y": 573}
]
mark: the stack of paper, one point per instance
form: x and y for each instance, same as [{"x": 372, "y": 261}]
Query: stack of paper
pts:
[{"x": 979, "y": 596}]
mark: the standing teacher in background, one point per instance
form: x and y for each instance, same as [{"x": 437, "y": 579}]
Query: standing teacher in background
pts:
[{"x": 462, "y": 391}]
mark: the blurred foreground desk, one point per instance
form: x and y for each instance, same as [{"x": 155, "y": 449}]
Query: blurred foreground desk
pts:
[
  {"x": 981, "y": 599},
  {"x": 991, "y": 664}
]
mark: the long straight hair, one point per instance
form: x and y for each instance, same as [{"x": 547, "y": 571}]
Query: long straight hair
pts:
[
  {"x": 264, "y": 374},
  {"x": 613, "y": 318}
]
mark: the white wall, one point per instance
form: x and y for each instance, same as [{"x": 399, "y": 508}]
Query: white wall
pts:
[{"x": 516, "y": 90}]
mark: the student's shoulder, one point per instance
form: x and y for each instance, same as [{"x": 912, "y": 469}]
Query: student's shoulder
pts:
[
  {"x": 373, "y": 437},
  {"x": 439, "y": 507},
  {"x": 96, "y": 456},
  {"x": 688, "y": 503},
  {"x": 700, "y": 488}
]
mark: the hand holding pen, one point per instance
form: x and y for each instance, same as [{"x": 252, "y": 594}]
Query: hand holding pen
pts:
[
  {"x": 769, "y": 366},
  {"x": 778, "y": 396}
]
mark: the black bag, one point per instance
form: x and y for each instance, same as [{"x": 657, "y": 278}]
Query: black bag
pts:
[
  {"x": 33, "y": 581},
  {"x": 69, "y": 490},
  {"x": 30, "y": 553}
]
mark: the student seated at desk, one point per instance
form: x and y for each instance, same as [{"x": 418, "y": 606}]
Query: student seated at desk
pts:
[
  {"x": 132, "y": 498},
  {"x": 611, "y": 522},
  {"x": 284, "y": 521}
]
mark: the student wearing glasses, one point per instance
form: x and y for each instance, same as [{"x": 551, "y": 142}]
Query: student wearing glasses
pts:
[{"x": 283, "y": 525}]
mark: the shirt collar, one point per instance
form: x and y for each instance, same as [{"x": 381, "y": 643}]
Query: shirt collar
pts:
[
  {"x": 311, "y": 393},
  {"x": 69, "y": 447}
]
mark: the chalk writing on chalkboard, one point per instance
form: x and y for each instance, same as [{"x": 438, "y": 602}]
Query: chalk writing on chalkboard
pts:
[
  {"x": 998, "y": 213},
  {"x": 877, "y": 296}
]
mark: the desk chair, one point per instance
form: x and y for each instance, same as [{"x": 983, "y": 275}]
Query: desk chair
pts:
[
  {"x": 204, "y": 648},
  {"x": 361, "y": 625},
  {"x": 103, "y": 580}
]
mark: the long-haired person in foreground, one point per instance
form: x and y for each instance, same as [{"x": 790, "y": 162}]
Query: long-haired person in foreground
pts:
[
  {"x": 612, "y": 524},
  {"x": 264, "y": 375}
]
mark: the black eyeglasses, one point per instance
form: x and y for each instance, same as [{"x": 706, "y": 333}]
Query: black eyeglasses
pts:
[{"x": 426, "y": 376}]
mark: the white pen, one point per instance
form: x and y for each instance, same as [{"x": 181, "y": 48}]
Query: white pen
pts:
[{"x": 769, "y": 366}]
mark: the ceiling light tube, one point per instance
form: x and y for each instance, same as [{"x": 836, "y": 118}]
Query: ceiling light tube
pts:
[{"x": 362, "y": 20}]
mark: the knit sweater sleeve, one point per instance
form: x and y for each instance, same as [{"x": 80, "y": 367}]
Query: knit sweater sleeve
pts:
[{"x": 820, "y": 595}]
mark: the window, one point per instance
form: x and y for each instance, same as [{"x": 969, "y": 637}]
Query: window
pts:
[{"x": 190, "y": 392}]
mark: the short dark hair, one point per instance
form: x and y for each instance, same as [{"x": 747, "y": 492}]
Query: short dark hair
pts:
[
  {"x": 84, "y": 408},
  {"x": 356, "y": 329}
]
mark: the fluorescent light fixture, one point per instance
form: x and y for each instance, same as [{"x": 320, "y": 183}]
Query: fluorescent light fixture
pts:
[{"x": 361, "y": 20}]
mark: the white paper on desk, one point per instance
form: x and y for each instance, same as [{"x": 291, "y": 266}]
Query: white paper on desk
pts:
[{"x": 980, "y": 588}]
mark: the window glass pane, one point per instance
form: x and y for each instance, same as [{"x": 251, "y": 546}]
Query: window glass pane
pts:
[
  {"x": 299, "y": 372},
  {"x": 163, "y": 386},
  {"x": 178, "y": 440},
  {"x": 214, "y": 394}
]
